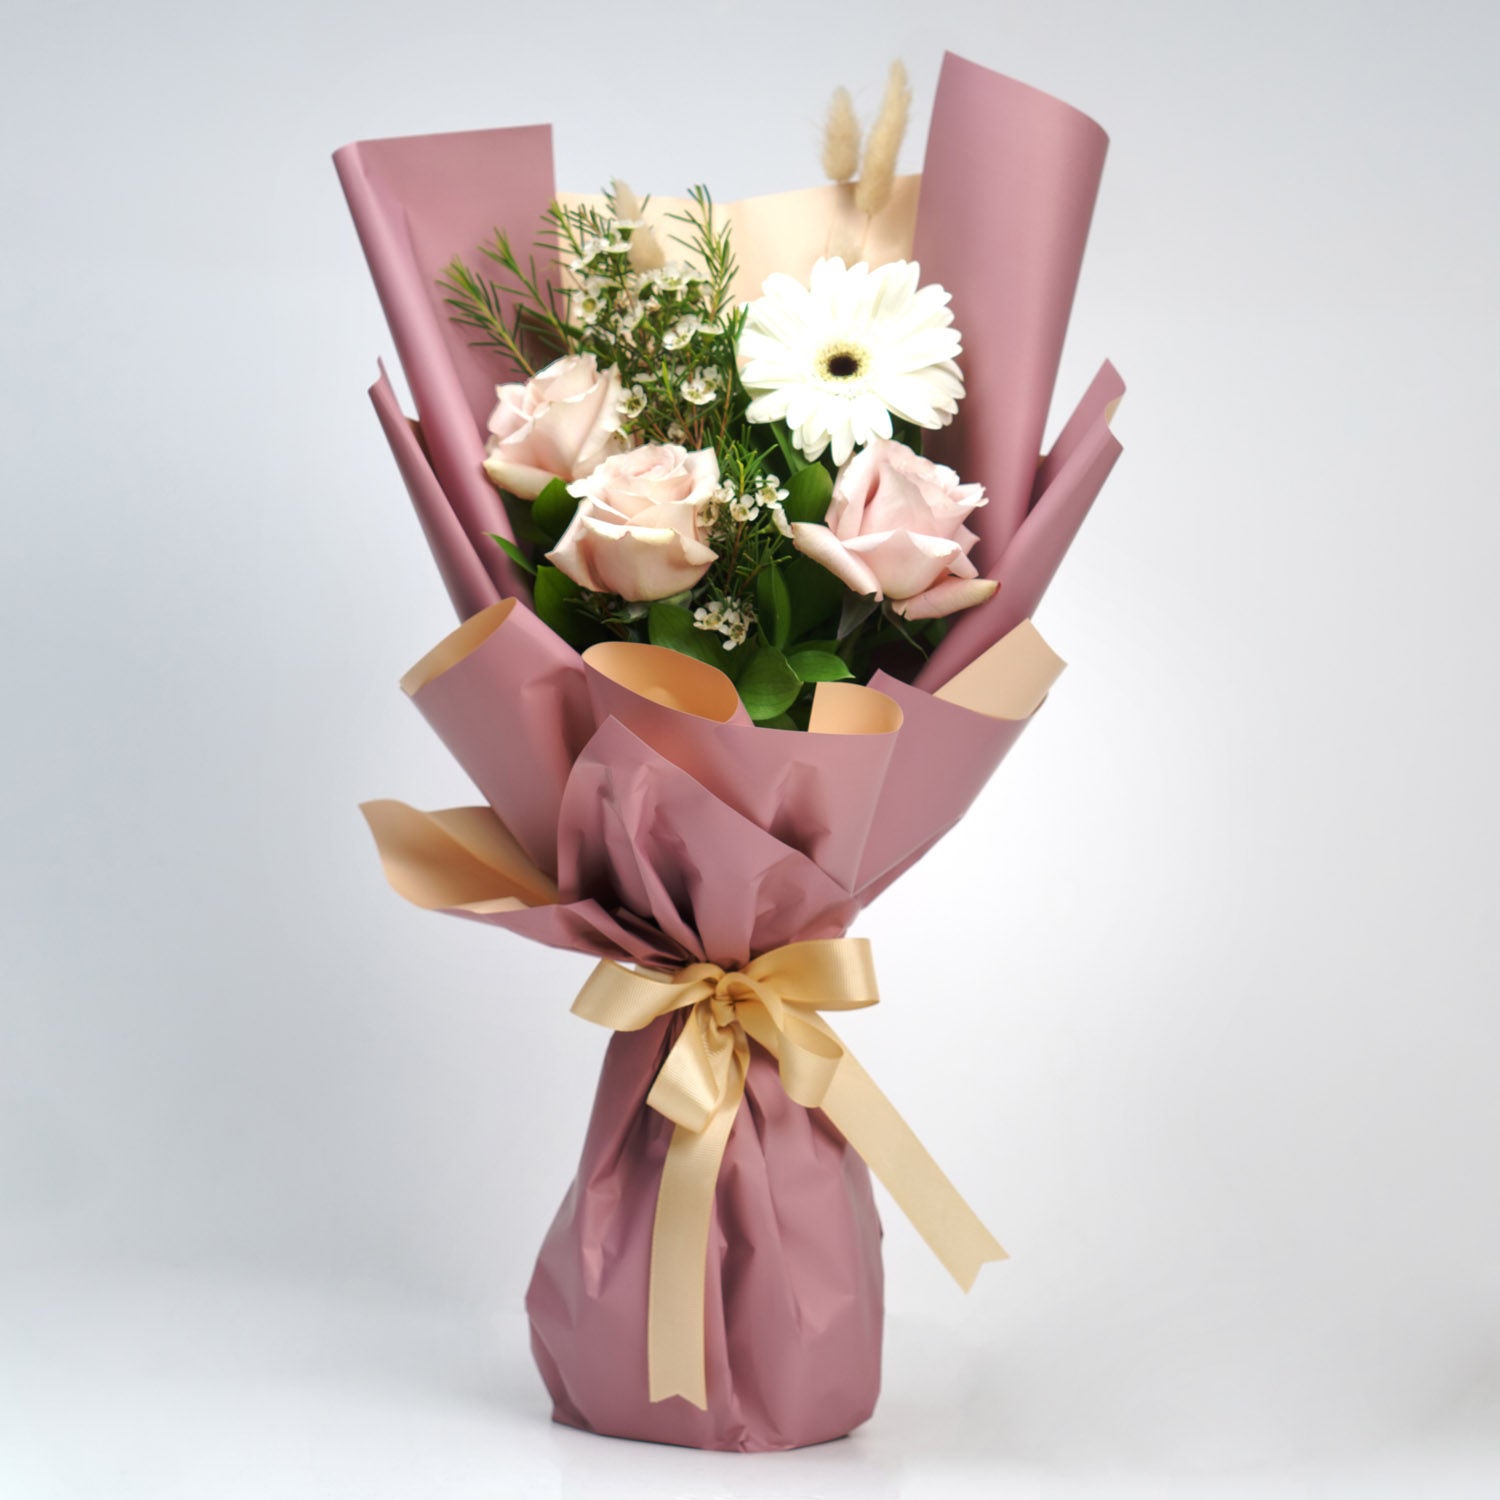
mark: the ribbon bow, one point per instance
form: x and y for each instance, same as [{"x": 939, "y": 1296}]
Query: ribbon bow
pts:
[{"x": 774, "y": 999}]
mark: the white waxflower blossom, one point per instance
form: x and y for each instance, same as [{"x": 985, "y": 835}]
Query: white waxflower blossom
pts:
[
  {"x": 732, "y": 621},
  {"x": 673, "y": 278},
  {"x": 743, "y": 509},
  {"x": 778, "y": 517},
  {"x": 677, "y": 433},
  {"x": 591, "y": 306},
  {"x": 699, "y": 388},
  {"x": 682, "y": 332},
  {"x": 713, "y": 507},
  {"x": 632, "y": 403},
  {"x": 736, "y": 626},
  {"x": 590, "y": 251}
]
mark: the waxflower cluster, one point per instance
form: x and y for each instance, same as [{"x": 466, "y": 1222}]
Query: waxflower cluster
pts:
[{"x": 741, "y": 482}]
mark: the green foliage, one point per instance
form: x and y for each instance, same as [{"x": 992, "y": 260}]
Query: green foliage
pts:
[
  {"x": 671, "y": 625},
  {"x": 808, "y": 493},
  {"x": 907, "y": 432},
  {"x": 791, "y": 455},
  {"x": 857, "y": 609},
  {"x": 819, "y": 666},
  {"x": 816, "y": 596},
  {"x": 523, "y": 523},
  {"x": 513, "y": 552},
  {"x": 553, "y": 509},
  {"x": 773, "y": 605},
  {"x": 538, "y": 309},
  {"x": 767, "y": 685},
  {"x": 555, "y": 597}
]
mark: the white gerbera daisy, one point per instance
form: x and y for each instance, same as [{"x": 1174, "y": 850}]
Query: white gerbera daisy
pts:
[{"x": 836, "y": 359}]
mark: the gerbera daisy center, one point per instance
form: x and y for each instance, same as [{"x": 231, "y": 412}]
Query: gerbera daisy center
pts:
[{"x": 843, "y": 362}]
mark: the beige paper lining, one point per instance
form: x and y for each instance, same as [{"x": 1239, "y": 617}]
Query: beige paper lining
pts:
[
  {"x": 1009, "y": 680},
  {"x": 789, "y": 231},
  {"x": 461, "y": 858},
  {"x": 455, "y": 646}
]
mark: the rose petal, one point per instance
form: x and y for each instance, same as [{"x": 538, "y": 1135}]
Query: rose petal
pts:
[
  {"x": 820, "y": 544},
  {"x": 946, "y": 598},
  {"x": 905, "y": 562},
  {"x": 521, "y": 480}
]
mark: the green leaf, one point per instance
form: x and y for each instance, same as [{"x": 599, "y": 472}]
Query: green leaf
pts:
[
  {"x": 816, "y": 595},
  {"x": 553, "y": 509},
  {"x": 795, "y": 462},
  {"x": 781, "y": 721},
  {"x": 857, "y": 609},
  {"x": 523, "y": 523},
  {"x": 908, "y": 433},
  {"x": 513, "y": 552},
  {"x": 808, "y": 493},
  {"x": 819, "y": 666},
  {"x": 671, "y": 625},
  {"x": 553, "y": 596},
  {"x": 773, "y": 605},
  {"x": 768, "y": 686}
]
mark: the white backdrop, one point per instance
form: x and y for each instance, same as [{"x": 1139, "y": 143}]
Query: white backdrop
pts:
[{"x": 276, "y": 1151}]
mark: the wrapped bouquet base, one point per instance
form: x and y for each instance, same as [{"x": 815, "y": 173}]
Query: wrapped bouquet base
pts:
[
  {"x": 793, "y": 1287},
  {"x": 713, "y": 1278}
]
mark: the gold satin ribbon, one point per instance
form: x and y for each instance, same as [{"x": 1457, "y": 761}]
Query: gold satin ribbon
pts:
[{"x": 774, "y": 999}]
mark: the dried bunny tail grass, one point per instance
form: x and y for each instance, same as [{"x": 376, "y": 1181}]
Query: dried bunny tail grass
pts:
[
  {"x": 623, "y": 200},
  {"x": 877, "y": 173},
  {"x": 841, "y": 138},
  {"x": 646, "y": 252}
]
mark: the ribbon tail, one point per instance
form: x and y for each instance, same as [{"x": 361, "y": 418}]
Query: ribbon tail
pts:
[
  {"x": 675, "y": 1343},
  {"x": 891, "y": 1150}
]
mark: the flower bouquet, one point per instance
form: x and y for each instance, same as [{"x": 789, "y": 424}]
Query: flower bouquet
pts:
[{"x": 742, "y": 513}]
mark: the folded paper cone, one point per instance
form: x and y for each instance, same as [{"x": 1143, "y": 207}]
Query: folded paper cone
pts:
[
  {"x": 508, "y": 698},
  {"x": 1008, "y": 190}
]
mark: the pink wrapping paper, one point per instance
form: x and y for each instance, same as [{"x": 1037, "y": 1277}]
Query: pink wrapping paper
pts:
[
  {"x": 1009, "y": 251},
  {"x": 468, "y": 583},
  {"x": 662, "y": 857},
  {"x": 513, "y": 708},
  {"x": 794, "y": 1289},
  {"x": 416, "y": 206},
  {"x": 675, "y": 835},
  {"x": 1068, "y": 482}
]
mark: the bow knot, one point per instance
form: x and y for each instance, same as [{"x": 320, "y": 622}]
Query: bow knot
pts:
[
  {"x": 774, "y": 1000},
  {"x": 730, "y": 990}
]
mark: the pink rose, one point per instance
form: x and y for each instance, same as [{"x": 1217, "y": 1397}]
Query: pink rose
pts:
[
  {"x": 638, "y": 531},
  {"x": 895, "y": 529},
  {"x": 562, "y": 424}
]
